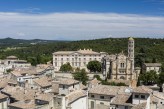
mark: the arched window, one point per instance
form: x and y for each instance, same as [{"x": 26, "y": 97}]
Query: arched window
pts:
[{"x": 122, "y": 77}]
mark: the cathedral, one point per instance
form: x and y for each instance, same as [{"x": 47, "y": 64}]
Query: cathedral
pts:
[{"x": 119, "y": 66}]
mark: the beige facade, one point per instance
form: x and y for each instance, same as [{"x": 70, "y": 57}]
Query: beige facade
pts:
[
  {"x": 120, "y": 66},
  {"x": 146, "y": 67},
  {"x": 77, "y": 59},
  {"x": 3, "y": 101}
]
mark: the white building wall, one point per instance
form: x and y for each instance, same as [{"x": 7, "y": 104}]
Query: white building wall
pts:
[
  {"x": 79, "y": 104},
  {"x": 3, "y": 104},
  {"x": 140, "y": 100},
  {"x": 67, "y": 89},
  {"x": 76, "y": 60},
  {"x": 98, "y": 101},
  {"x": 157, "y": 69},
  {"x": 69, "y": 75}
]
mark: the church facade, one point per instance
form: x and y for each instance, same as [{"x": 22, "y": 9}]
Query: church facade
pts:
[{"x": 120, "y": 66}]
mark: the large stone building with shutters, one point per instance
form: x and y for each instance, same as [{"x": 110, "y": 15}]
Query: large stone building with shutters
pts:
[
  {"x": 120, "y": 66},
  {"x": 77, "y": 59}
]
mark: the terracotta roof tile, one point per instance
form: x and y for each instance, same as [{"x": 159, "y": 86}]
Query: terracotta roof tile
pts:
[{"x": 75, "y": 95}]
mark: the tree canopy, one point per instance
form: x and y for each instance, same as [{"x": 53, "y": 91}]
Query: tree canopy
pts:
[
  {"x": 161, "y": 79},
  {"x": 66, "y": 67},
  {"x": 145, "y": 48},
  {"x": 81, "y": 75},
  {"x": 149, "y": 78},
  {"x": 94, "y": 66}
]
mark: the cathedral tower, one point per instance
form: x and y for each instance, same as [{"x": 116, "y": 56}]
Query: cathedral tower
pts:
[{"x": 131, "y": 52}]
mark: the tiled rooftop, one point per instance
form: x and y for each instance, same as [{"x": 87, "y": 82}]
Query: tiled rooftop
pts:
[
  {"x": 140, "y": 106},
  {"x": 75, "y": 95},
  {"x": 45, "y": 97},
  {"x": 122, "y": 99},
  {"x": 67, "y": 81},
  {"x": 153, "y": 64},
  {"x": 142, "y": 89},
  {"x": 43, "y": 81},
  {"x": 105, "y": 90},
  {"x": 23, "y": 104}
]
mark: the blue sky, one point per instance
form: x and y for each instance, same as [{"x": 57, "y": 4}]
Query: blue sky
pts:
[{"x": 81, "y": 19}]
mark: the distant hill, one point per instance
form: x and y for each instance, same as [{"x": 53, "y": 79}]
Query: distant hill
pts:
[
  {"x": 16, "y": 42},
  {"x": 146, "y": 49}
]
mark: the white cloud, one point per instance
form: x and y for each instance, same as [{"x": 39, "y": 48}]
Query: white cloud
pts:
[
  {"x": 20, "y": 34},
  {"x": 75, "y": 26}
]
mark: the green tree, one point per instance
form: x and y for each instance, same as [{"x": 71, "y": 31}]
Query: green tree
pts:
[
  {"x": 94, "y": 66},
  {"x": 81, "y": 75},
  {"x": 161, "y": 81},
  {"x": 66, "y": 67},
  {"x": 154, "y": 60},
  {"x": 97, "y": 77},
  {"x": 149, "y": 78}
]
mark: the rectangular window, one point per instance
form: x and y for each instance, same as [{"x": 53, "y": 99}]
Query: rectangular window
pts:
[
  {"x": 63, "y": 86},
  {"x": 122, "y": 65},
  {"x": 143, "y": 96},
  {"x": 62, "y": 59},
  {"x": 136, "y": 96},
  {"x": 67, "y": 59},
  {"x": 102, "y": 97},
  {"x": 55, "y": 63},
  {"x": 101, "y": 103},
  {"x": 92, "y": 96},
  {"x": 55, "y": 59}
]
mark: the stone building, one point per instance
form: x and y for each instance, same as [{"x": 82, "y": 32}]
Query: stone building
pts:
[
  {"x": 120, "y": 66},
  {"x": 146, "y": 67},
  {"x": 77, "y": 59}
]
